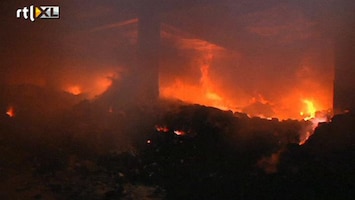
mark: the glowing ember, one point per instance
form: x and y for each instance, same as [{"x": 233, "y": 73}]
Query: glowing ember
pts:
[
  {"x": 304, "y": 138},
  {"x": 178, "y": 132},
  {"x": 149, "y": 141},
  {"x": 163, "y": 129},
  {"x": 75, "y": 90},
  {"x": 11, "y": 112}
]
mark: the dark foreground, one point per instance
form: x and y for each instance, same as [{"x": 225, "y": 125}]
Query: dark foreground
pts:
[{"x": 173, "y": 151}]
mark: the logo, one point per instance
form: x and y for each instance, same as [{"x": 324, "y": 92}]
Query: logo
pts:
[{"x": 41, "y": 12}]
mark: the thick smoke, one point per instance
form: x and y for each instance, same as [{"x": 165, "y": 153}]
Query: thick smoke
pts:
[
  {"x": 280, "y": 52},
  {"x": 70, "y": 127}
]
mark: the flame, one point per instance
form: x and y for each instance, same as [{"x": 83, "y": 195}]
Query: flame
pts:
[
  {"x": 304, "y": 137},
  {"x": 74, "y": 90},
  {"x": 310, "y": 112},
  {"x": 163, "y": 129},
  {"x": 179, "y": 132},
  {"x": 315, "y": 116},
  {"x": 10, "y": 112},
  {"x": 102, "y": 84},
  {"x": 206, "y": 92},
  {"x": 302, "y": 94},
  {"x": 89, "y": 87},
  {"x": 213, "y": 96}
]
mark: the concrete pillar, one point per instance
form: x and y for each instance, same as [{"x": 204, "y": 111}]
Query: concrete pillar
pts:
[
  {"x": 344, "y": 81},
  {"x": 147, "y": 69}
]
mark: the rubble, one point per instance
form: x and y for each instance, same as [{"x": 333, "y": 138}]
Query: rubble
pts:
[{"x": 90, "y": 153}]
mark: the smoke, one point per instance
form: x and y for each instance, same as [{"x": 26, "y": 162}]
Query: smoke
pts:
[
  {"x": 260, "y": 57},
  {"x": 280, "y": 51}
]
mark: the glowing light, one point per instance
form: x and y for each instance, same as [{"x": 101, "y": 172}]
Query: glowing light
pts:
[
  {"x": 163, "y": 129},
  {"x": 311, "y": 110},
  {"x": 178, "y": 132},
  {"x": 204, "y": 93},
  {"x": 101, "y": 85},
  {"x": 313, "y": 115},
  {"x": 149, "y": 141},
  {"x": 305, "y": 138},
  {"x": 90, "y": 85},
  {"x": 10, "y": 112},
  {"x": 299, "y": 99},
  {"x": 213, "y": 96},
  {"x": 75, "y": 90}
]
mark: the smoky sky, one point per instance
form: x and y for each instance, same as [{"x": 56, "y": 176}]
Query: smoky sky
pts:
[{"x": 266, "y": 44}]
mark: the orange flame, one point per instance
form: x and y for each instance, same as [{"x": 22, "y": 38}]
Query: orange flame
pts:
[
  {"x": 89, "y": 86},
  {"x": 178, "y": 132},
  {"x": 163, "y": 129},
  {"x": 304, "y": 138},
  {"x": 102, "y": 84},
  {"x": 303, "y": 97},
  {"x": 205, "y": 92},
  {"x": 10, "y": 112},
  {"x": 313, "y": 115},
  {"x": 74, "y": 90},
  {"x": 310, "y": 110}
]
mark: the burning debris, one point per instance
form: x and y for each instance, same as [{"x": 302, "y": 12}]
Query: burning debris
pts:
[
  {"x": 92, "y": 153},
  {"x": 185, "y": 100},
  {"x": 75, "y": 90},
  {"x": 10, "y": 111},
  {"x": 163, "y": 129},
  {"x": 215, "y": 89}
]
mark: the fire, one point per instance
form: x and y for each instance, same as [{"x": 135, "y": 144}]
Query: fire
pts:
[
  {"x": 301, "y": 95},
  {"x": 304, "y": 137},
  {"x": 206, "y": 91},
  {"x": 75, "y": 90},
  {"x": 315, "y": 116},
  {"x": 102, "y": 84},
  {"x": 310, "y": 110},
  {"x": 213, "y": 96},
  {"x": 178, "y": 132},
  {"x": 10, "y": 112},
  {"x": 202, "y": 94},
  {"x": 163, "y": 129},
  {"x": 90, "y": 84}
]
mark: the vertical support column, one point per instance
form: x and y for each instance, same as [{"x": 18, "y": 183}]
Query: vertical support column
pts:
[
  {"x": 344, "y": 81},
  {"x": 147, "y": 70}
]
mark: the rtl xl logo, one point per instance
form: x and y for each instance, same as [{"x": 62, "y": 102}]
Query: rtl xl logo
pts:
[{"x": 42, "y": 12}]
